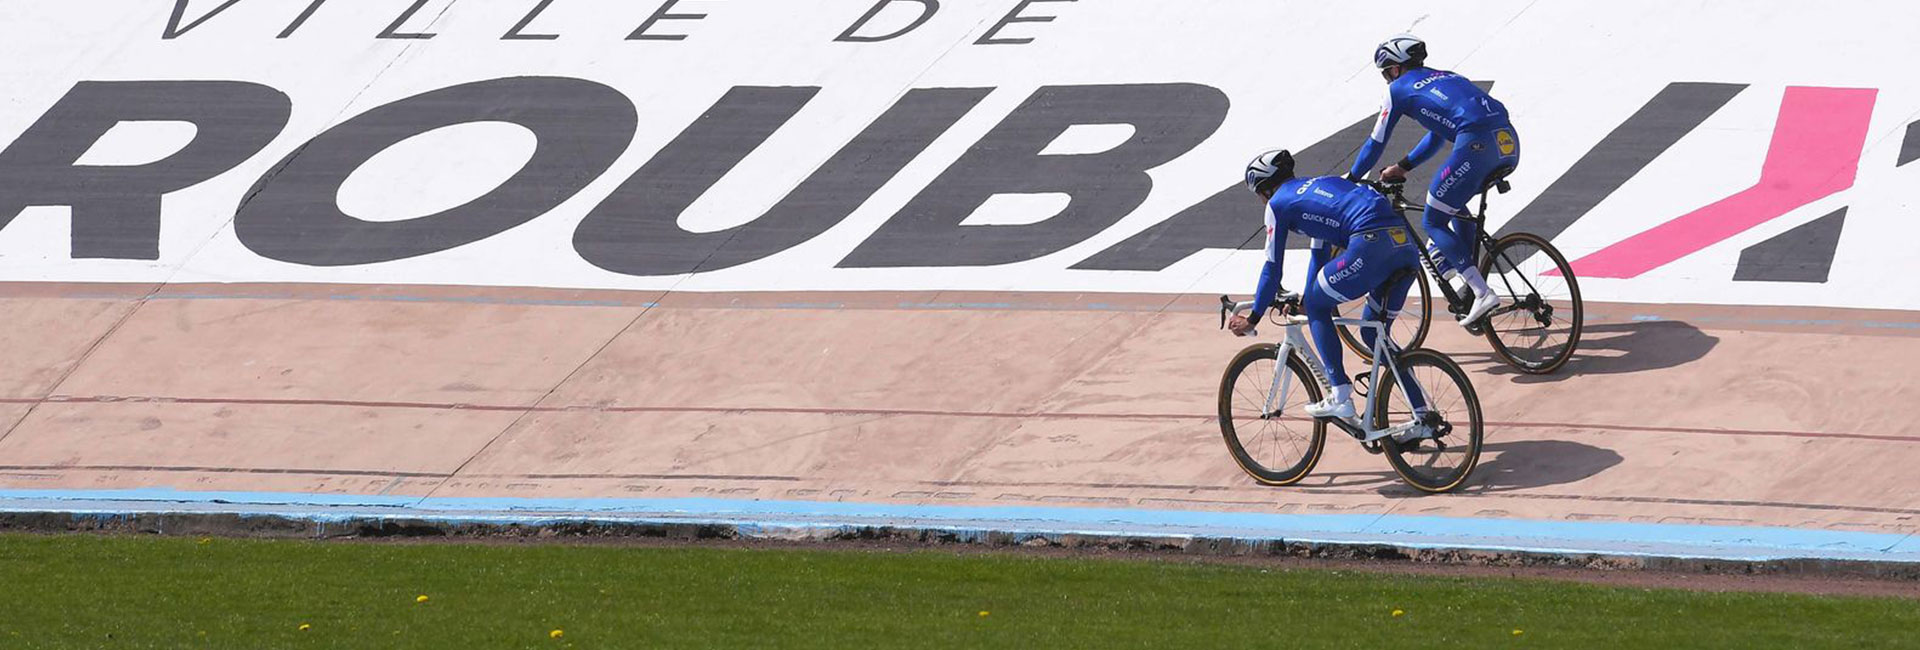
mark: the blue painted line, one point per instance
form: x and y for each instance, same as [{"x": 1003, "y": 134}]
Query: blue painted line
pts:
[
  {"x": 963, "y": 305},
  {"x": 1742, "y": 543}
]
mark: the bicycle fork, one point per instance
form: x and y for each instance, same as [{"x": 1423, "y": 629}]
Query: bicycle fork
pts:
[{"x": 1283, "y": 380}]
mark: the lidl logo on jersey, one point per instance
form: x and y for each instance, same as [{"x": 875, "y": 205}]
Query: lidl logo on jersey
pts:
[{"x": 1504, "y": 139}]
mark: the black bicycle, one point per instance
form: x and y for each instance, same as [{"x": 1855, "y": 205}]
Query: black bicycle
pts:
[{"x": 1537, "y": 325}]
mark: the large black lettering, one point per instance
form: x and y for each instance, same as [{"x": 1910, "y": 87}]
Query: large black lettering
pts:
[
  {"x": 635, "y": 230},
  {"x": 927, "y": 9},
  {"x": 1669, "y": 116},
  {"x": 116, "y": 209},
  {"x": 1910, "y": 147},
  {"x": 1802, "y": 254},
  {"x": 293, "y": 216},
  {"x": 1168, "y": 120},
  {"x": 1230, "y": 218}
]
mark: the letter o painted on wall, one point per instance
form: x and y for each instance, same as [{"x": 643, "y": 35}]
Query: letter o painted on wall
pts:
[{"x": 292, "y": 214}]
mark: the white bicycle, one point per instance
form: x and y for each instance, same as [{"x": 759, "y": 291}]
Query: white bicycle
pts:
[{"x": 1262, "y": 409}]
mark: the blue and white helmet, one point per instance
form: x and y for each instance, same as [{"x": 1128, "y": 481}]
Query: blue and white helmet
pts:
[
  {"x": 1402, "y": 50},
  {"x": 1268, "y": 166}
]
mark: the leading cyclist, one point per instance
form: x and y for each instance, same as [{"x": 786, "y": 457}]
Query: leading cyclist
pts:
[
  {"x": 1451, "y": 108},
  {"x": 1332, "y": 209}
]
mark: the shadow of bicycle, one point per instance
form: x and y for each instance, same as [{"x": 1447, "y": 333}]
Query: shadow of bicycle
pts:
[
  {"x": 1520, "y": 465},
  {"x": 1527, "y": 464},
  {"x": 1504, "y": 467},
  {"x": 1613, "y": 348}
]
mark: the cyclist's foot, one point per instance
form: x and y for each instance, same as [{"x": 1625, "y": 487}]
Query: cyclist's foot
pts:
[
  {"x": 1404, "y": 432},
  {"x": 1332, "y": 407},
  {"x": 1411, "y": 431},
  {"x": 1482, "y": 304}
]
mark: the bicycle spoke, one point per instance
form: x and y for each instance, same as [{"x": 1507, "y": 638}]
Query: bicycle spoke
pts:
[
  {"x": 1536, "y": 324},
  {"x": 1272, "y": 442},
  {"x": 1444, "y": 397}
]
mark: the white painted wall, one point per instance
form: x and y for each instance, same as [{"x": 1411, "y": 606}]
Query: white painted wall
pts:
[{"x": 1295, "y": 72}]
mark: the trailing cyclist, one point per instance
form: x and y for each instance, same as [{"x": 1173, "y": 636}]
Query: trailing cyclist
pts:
[
  {"x": 1484, "y": 143},
  {"x": 1378, "y": 247}
]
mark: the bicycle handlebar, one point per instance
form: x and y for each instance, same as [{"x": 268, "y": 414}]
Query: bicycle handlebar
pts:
[
  {"x": 1395, "y": 191},
  {"x": 1286, "y": 303}
]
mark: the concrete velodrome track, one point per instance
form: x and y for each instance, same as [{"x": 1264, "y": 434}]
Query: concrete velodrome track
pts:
[
  {"x": 818, "y": 267},
  {"x": 1706, "y": 417}
]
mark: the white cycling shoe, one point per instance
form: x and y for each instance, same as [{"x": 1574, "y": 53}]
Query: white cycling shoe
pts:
[
  {"x": 1404, "y": 432},
  {"x": 1332, "y": 408},
  {"x": 1483, "y": 302}
]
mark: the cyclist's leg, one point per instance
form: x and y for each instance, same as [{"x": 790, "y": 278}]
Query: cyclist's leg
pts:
[
  {"x": 1384, "y": 304},
  {"x": 1321, "y": 301},
  {"x": 1449, "y": 248},
  {"x": 1475, "y": 155},
  {"x": 1388, "y": 298},
  {"x": 1320, "y": 305},
  {"x": 1367, "y": 261}
]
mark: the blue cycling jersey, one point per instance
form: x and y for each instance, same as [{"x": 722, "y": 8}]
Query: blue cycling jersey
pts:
[
  {"x": 1326, "y": 209},
  {"x": 1445, "y": 103}
]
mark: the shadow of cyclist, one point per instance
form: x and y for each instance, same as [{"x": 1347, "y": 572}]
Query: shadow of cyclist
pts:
[
  {"x": 1525, "y": 464},
  {"x": 1613, "y": 348}
]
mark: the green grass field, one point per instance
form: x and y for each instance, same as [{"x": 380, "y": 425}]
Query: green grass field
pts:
[{"x": 144, "y": 592}]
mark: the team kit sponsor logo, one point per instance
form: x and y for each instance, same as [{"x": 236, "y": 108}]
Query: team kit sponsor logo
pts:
[{"x": 821, "y": 145}]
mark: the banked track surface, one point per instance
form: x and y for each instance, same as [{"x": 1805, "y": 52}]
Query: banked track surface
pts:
[{"x": 1693, "y": 417}]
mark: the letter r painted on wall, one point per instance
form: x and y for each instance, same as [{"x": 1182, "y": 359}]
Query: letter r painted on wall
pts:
[{"x": 1815, "y": 153}]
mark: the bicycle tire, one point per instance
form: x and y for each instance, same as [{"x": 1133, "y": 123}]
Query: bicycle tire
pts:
[
  {"x": 1417, "y": 313},
  {"x": 1520, "y": 337},
  {"x": 1308, "y": 447},
  {"x": 1415, "y": 461}
]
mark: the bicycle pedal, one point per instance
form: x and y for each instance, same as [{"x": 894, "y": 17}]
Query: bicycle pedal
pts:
[
  {"x": 1372, "y": 447},
  {"x": 1362, "y": 384}
]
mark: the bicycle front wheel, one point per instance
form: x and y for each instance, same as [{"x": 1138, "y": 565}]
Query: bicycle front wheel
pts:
[
  {"x": 1409, "y": 329},
  {"x": 1263, "y": 415},
  {"x": 1537, "y": 326},
  {"x": 1442, "y": 458}
]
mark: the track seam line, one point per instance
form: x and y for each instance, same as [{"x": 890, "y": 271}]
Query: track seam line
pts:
[
  {"x": 539, "y": 407},
  {"x": 54, "y": 388},
  {"x": 535, "y": 407}
]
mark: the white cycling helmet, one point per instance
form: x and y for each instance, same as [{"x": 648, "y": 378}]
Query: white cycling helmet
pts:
[
  {"x": 1402, "y": 50},
  {"x": 1267, "y": 167}
]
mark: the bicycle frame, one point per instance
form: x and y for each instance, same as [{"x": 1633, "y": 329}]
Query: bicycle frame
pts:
[
  {"x": 1481, "y": 242},
  {"x": 1296, "y": 339}
]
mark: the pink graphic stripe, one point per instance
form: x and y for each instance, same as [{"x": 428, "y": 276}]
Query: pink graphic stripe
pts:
[{"x": 1815, "y": 152}]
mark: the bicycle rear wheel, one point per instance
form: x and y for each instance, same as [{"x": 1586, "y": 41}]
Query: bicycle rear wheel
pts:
[
  {"x": 1278, "y": 446},
  {"x": 1409, "y": 329},
  {"x": 1537, "y": 327},
  {"x": 1442, "y": 461}
]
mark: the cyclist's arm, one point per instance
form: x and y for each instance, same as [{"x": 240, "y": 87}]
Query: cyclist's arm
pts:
[
  {"x": 1377, "y": 143},
  {"x": 1317, "y": 258},
  {"x": 1270, "y": 272},
  {"x": 1421, "y": 152}
]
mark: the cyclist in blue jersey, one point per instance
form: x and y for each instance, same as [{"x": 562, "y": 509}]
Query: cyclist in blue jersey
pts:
[
  {"x": 1330, "y": 209},
  {"x": 1484, "y": 142}
]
